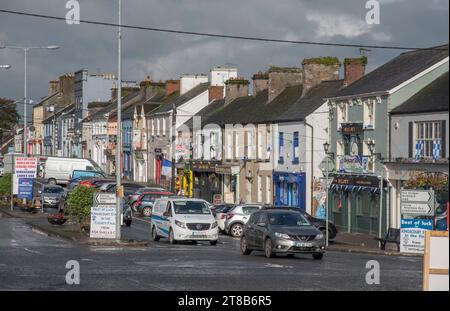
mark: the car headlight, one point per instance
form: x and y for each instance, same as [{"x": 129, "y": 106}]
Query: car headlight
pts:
[
  {"x": 319, "y": 236},
  {"x": 214, "y": 224},
  {"x": 180, "y": 224},
  {"x": 282, "y": 236}
]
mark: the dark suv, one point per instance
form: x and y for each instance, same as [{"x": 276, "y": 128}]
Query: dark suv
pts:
[{"x": 280, "y": 231}]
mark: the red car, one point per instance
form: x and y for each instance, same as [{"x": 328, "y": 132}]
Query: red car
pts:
[
  {"x": 144, "y": 204},
  {"x": 94, "y": 182}
]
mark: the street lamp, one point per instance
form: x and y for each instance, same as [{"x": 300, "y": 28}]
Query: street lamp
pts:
[
  {"x": 326, "y": 147},
  {"x": 25, "y": 50},
  {"x": 6, "y": 67},
  {"x": 371, "y": 145}
]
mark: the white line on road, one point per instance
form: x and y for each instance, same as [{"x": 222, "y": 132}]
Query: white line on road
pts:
[
  {"x": 33, "y": 252},
  {"x": 143, "y": 220}
]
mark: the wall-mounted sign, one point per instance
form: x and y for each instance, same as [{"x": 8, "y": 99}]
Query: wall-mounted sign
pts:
[
  {"x": 417, "y": 202},
  {"x": 354, "y": 164},
  {"x": 412, "y": 234},
  {"x": 25, "y": 188},
  {"x": 26, "y": 167},
  {"x": 351, "y": 128}
]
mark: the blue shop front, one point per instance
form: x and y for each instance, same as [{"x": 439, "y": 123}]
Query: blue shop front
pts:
[{"x": 290, "y": 189}]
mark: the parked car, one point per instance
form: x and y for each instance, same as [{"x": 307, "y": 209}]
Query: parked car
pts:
[
  {"x": 84, "y": 173},
  {"x": 104, "y": 187},
  {"x": 220, "y": 214},
  {"x": 144, "y": 204},
  {"x": 282, "y": 231},
  {"x": 237, "y": 217},
  {"x": 52, "y": 195},
  {"x": 129, "y": 188},
  {"x": 96, "y": 182},
  {"x": 135, "y": 196},
  {"x": 75, "y": 182},
  {"x": 182, "y": 219},
  {"x": 57, "y": 170}
]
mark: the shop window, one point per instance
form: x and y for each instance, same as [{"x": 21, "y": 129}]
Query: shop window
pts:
[
  {"x": 374, "y": 206},
  {"x": 428, "y": 140},
  {"x": 359, "y": 206},
  {"x": 295, "y": 145}
]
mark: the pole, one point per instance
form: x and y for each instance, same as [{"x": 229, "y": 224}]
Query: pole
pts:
[
  {"x": 380, "y": 223},
  {"x": 119, "y": 192},
  {"x": 13, "y": 164},
  {"x": 25, "y": 149},
  {"x": 174, "y": 124},
  {"x": 326, "y": 202}
]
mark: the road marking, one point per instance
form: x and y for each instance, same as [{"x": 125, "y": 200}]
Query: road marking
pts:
[
  {"x": 33, "y": 252},
  {"x": 271, "y": 265},
  {"x": 143, "y": 220}
]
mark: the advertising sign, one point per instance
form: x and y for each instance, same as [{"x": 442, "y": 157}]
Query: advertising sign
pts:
[
  {"x": 354, "y": 164},
  {"x": 25, "y": 188},
  {"x": 417, "y": 202},
  {"x": 412, "y": 235},
  {"x": 103, "y": 222},
  {"x": 217, "y": 199},
  {"x": 26, "y": 167}
]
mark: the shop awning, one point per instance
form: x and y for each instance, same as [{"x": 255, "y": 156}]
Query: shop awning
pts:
[{"x": 356, "y": 183}]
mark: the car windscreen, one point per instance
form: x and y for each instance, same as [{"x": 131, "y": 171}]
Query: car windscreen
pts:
[
  {"x": 191, "y": 207},
  {"x": 53, "y": 190},
  {"x": 288, "y": 219}
]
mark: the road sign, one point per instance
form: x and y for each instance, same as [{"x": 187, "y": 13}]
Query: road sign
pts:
[
  {"x": 323, "y": 165},
  {"x": 103, "y": 222},
  {"x": 104, "y": 198},
  {"x": 417, "y": 202}
]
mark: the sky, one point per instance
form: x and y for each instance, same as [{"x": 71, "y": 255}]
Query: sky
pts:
[{"x": 410, "y": 23}]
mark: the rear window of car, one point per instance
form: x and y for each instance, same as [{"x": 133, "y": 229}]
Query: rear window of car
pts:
[
  {"x": 249, "y": 209},
  {"x": 151, "y": 197}
]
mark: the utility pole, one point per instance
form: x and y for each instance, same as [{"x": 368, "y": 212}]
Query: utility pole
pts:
[
  {"x": 174, "y": 124},
  {"x": 119, "y": 190}
]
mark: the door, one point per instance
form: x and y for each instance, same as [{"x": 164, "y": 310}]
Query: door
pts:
[{"x": 261, "y": 231}]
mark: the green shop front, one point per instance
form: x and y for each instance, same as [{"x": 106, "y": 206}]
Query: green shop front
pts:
[{"x": 354, "y": 203}]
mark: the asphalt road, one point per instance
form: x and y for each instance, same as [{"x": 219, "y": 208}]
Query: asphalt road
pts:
[{"x": 31, "y": 261}]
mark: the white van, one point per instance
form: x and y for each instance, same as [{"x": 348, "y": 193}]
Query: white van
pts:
[
  {"x": 182, "y": 219},
  {"x": 59, "y": 170}
]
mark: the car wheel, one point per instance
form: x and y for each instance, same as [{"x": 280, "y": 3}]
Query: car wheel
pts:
[
  {"x": 52, "y": 181},
  {"x": 155, "y": 235},
  {"x": 244, "y": 248},
  {"x": 147, "y": 211},
  {"x": 128, "y": 223},
  {"x": 317, "y": 256},
  {"x": 171, "y": 237},
  {"x": 213, "y": 243},
  {"x": 268, "y": 248},
  {"x": 323, "y": 230},
  {"x": 236, "y": 230}
]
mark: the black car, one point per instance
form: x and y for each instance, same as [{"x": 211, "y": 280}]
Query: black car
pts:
[
  {"x": 281, "y": 231},
  {"x": 317, "y": 222}
]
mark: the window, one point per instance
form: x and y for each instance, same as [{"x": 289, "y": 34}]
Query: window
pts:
[
  {"x": 249, "y": 144},
  {"x": 152, "y": 133},
  {"x": 359, "y": 206},
  {"x": 229, "y": 146},
  {"x": 249, "y": 209},
  {"x": 213, "y": 145},
  {"x": 341, "y": 115},
  {"x": 260, "y": 145},
  {"x": 164, "y": 126},
  {"x": 260, "y": 190},
  {"x": 369, "y": 115},
  {"x": 428, "y": 142},
  {"x": 236, "y": 145},
  {"x": 339, "y": 151},
  {"x": 268, "y": 190},
  {"x": 281, "y": 148},
  {"x": 296, "y": 143}
]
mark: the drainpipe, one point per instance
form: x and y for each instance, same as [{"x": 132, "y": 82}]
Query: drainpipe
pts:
[{"x": 312, "y": 162}]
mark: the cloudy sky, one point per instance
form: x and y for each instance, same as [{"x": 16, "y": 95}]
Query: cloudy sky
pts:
[{"x": 416, "y": 23}]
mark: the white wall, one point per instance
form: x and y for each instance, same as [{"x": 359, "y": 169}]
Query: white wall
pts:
[
  {"x": 188, "y": 82},
  {"x": 218, "y": 76}
]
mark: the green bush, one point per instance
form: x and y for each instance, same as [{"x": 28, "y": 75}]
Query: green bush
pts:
[
  {"x": 5, "y": 185},
  {"x": 80, "y": 203}
]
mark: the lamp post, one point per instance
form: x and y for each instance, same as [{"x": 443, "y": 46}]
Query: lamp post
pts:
[
  {"x": 371, "y": 145},
  {"x": 25, "y": 50},
  {"x": 119, "y": 190},
  {"x": 326, "y": 147}
]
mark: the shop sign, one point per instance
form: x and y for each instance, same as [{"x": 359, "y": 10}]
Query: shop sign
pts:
[
  {"x": 354, "y": 164},
  {"x": 351, "y": 128},
  {"x": 412, "y": 235}
]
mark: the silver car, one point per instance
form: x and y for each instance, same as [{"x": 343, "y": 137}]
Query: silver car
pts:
[{"x": 238, "y": 217}]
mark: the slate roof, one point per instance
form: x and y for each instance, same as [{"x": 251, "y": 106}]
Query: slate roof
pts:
[
  {"x": 46, "y": 98},
  {"x": 180, "y": 100},
  {"x": 206, "y": 112},
  {"x": 112, "y": 106},
  {"x": 68, "y": 108},
  {"x": 396, "y": 71},
  {"x": 311, "y": 101},
  {"x": 432, "y": 98},
  {"x": 255, "y": 109}
]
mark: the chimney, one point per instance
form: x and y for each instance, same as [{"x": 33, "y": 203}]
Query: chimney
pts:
[
  {"x": 260, "y": 82},
  {"x": 172, "y": 86},
  {"x": 114, "y": 91},
  {"x": 53, "y": 87},
  {"x": 316, "y": 70},
  {"x": 215, "y": 93},
  {"x": 189, "y": 81},
  {"x": 235, "y": 88},
  {"x": 354, "y": 69},
  {"x": 145, "y": 86},
  {"x": 281, "y": 78},
  {"x": 67, "y": 87}
]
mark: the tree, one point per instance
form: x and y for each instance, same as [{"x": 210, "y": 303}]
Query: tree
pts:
[
  {"x": 9, "y": 114},
  {"x": 80, "y": 203}
]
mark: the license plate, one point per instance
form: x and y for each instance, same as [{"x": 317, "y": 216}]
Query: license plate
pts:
[{"x": 300, "y": 244}]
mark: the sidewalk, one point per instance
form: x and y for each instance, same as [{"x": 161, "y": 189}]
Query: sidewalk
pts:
[
  {"x": 69, "y": 231},
  {"x": 364, "y": 243}
]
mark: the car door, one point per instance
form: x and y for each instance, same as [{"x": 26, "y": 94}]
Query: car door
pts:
[
  {"x": 160, "y": 220},
  {"x": 260, "y": 231},
  {"x": 250, "y": 229}
]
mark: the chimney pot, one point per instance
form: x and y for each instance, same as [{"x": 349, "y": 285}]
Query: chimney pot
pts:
[{"x": 354, "y": 69}]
